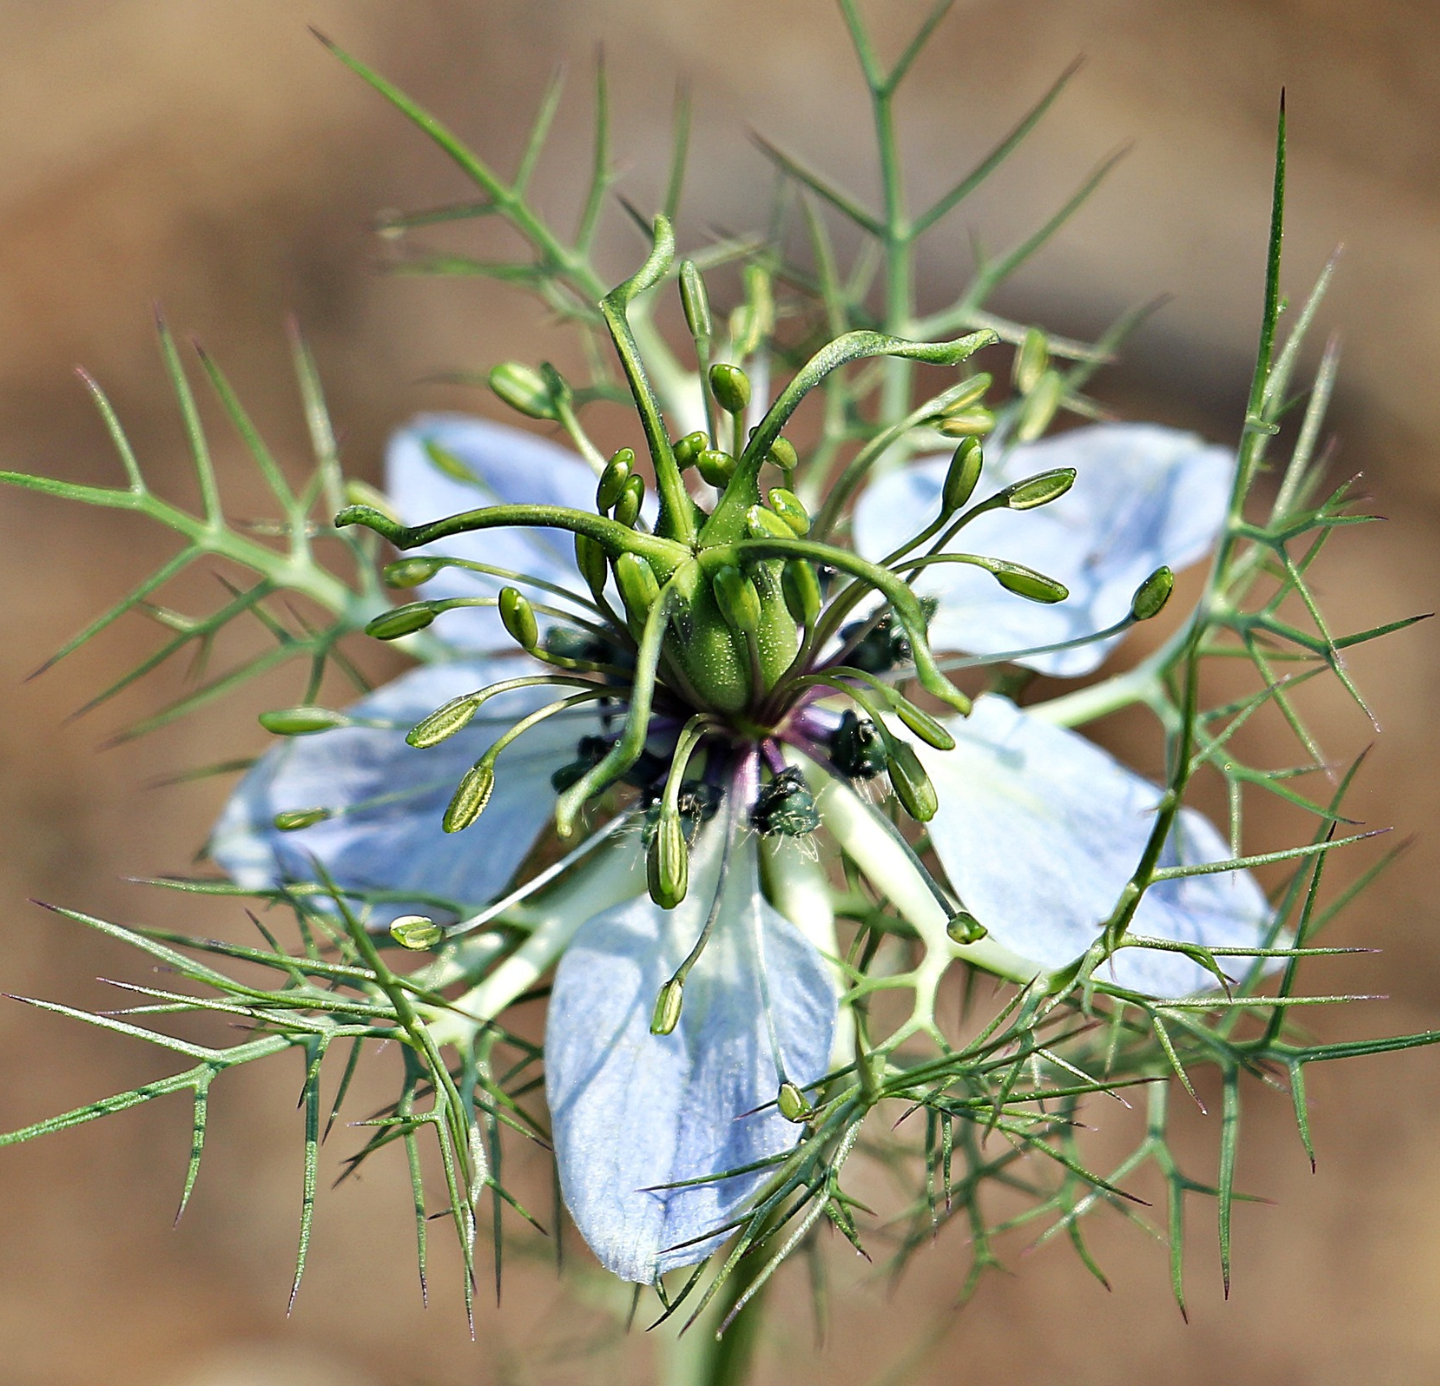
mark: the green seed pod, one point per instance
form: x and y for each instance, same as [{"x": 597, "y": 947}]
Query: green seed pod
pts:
[
  {"x": 1032, "y": 360},
  {"x": 792, "y": 1104},
  {"x": 627, "y": 508},
  {"x": 410, "y": 572},
  {"x": 400, "y": 620},
  {"x": 667, "y": 866},
  {"x": 737, "y": 599},
  {"x": 695, "y": 301},
  {"x": 731, "y": 387},
  {"x": 715, "y": 466},
  {"x": 638, "y": 588},
  {"x": 1027, "y": 583},
  {"x": 1039, "y": 407},
  {"x": 523, "y": 388},
  {"x": 1152, "y": 594},
  {"x": 963, "y": 476},
  {"x": 967, "y": 393},
  {"x": 783, "y": 455},
  {"x": 789, "y": 507},
  {"x": 613, "y": 479},
  {"x": 688, "y": 448},
  {"x": 292, "y": 820},
  {"x": 1039, "y": 489},
  {"x": 302, "y": 721},
  {"x": 470, "y": 797},
  {"x": 518, "y": 617},
  {"x": 443, "y": 723},
  {"x": 968, "y": 423},
  {"x": 931, "y": 732},
  {"x": 766, "y": 524},
  {"x": 801, "y": 589},
  {"x": 667, "y": 1007},
  {"x": 910, "y": 782},
  {"x": 416, "y": 931},
  {"x": 965, "y": 928},
  {"x": 590, "y": 559}
]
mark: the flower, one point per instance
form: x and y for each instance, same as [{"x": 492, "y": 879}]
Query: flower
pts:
[{"x": 681, "y": 1015}]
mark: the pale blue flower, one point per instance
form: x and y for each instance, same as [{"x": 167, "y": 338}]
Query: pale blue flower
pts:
[{"x": 1037, "y": 828}]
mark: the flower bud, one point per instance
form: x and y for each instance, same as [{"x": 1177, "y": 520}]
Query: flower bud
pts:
[
  {"x": 766, "y": 524},
  {"x": 737, "y": 599},
  {"x": 518, "y": 617},
  {"x": 443, "y": 723},
  {"x": 1026, "y": 582},
  {"x": 1152, "y": 594},
  {"x": 302, "y": 721},
  {"x": 667, "y": 1007},
  {"x": 910, "y": 782},
  {"x": 801, "y": 589},
  {"x": 523, "y": 388},
  {"x": 1032, "y": 360},
  {"x": 688, "y": 448},
  {"x": 416, "y": 931},
  {"x": 613, "y": 479},
  {"x": 638, "y": 588},
  {"x": 410, "y": 572},
  {"x": 963, "y": 475},
  {"x": 292, "y": 820},
  {"x": 715, "y": 466},
  {"x": 695, "y": 301},
  {"x": 632, "y": 497},
  {"x": 400, "y": 620},
  {"x": 789, "y": 507},
  {"x": 792, "y": 1104},
  {"x": 667, "y": 866},
  {"x": 1040, "y": 489},
  {"x": 590, "y": 559},
  {"x": 965, "y": 928},
  {"x": 1039, "y": 407},
  {"x": 470, "y": 797},
  {"x": 968, "y": 423},
  {"x": 731, "y": 387}
]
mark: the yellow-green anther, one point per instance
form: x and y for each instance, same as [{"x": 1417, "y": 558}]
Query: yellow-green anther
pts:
[
  {"x": 801, "y": 589},
  {"x": 715, "y": 466},
  {"x": 667, "y": 867},
  {"x": 1031, "y": 361},
  {"x": 967, "y": 393},
  {"x": 910, "y": 782},
  {"x": 1037, "y": 490},
  {"x": 792, "y": 1104},
  {"x": 761, "y": 523},
  {"x": 518, "y": 618},
  {"x": 1026, "y": 582},
  {"x": 695, "y": 301},
  {"x": 636, "y": 581},
  {"x": 963, "y": 476},
  {"x": 1152, "y": 594},
  {"x": 613, "y": 479},
  {"x": 292, "y": 820},
  {"x": 416, "y": 931},
  {"x": 470, "y": 797},
  {"x": 968, "y": 423},
  {"x": 965, "y": 928},
  {"x": 667, "y": 1007},
  {"x": 523, "y": 388},
  {"x": 400, "y": 620},
  {"x": 302, "y": 721},
  {"x": 410, "y": 572},
  {"x": 632, "y": 498},
  {"x": 931, "y": 732},
  {"x": 731, "y": 387},
  {"x": 789, "y": 507},
  {"x": 1039, "y": 407},
  {"x": 783, "y": 455},
  {"x": 689, "y": 448},
  {"x": 446, "y": 463},
  {"x": 590, "y": 559},
  {"x": 444, "y": 722},
  {"x": 362, "y": 493},
  {"x": 737, "y": 599}
]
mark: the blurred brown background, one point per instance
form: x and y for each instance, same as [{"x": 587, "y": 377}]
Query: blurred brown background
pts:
[{"x": 214, "y": 157}]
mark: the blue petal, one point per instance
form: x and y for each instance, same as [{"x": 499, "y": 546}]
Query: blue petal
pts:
[
  {"x": 388, "y": 798},
  {"x": 632, "y": 1111},
  {"x": 1039, "y": 829},
  {"x": 510, "y": 467},
  {"x": 1143, "y": 496}
]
